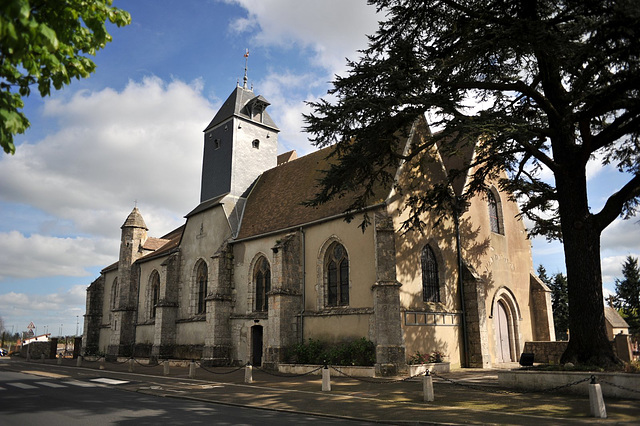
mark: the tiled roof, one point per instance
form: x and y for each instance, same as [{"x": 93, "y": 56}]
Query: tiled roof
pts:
[
  {"x": 276, "y": 200},
  {"x": 154, "y": 244},
  {"x": 172, "y": 241},
  {"x": 614, "y": 319},
  {"x": 135, "y": 220}
]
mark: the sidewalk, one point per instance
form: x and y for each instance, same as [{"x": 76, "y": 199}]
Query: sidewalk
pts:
[{"x": 469, "y": 396}]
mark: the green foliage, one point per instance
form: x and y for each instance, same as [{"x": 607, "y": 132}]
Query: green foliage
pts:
[
  {"x": 627, "y": 297},
  {"x": 44, "y": 44},
  {"x": 543, "y": 85},
  {"x": 354, "y": 352},
  {"x": 559, "y": 301},
  {"x": 420, "y": 358}
]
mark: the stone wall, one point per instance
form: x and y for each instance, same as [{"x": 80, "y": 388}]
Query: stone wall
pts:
[{"x": 547, "y": 352}]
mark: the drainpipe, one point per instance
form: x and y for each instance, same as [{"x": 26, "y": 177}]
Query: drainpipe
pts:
[
  {"x": 304, "y": 286},
  {"x": 465, "y": 341}
]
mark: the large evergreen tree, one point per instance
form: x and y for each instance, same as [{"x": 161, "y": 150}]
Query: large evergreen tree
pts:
[
  {"x": 542, "y": 84},
  {"x": 559, "y": 301},
  {"x": 627, "y": 298}
]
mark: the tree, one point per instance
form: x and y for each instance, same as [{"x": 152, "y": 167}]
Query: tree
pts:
[
  {"x": 47, "y": 43},
  {"x": 627, "y": 298},
  {"x": 559, "y": 301},
  {"x": 533, "y": 84}
]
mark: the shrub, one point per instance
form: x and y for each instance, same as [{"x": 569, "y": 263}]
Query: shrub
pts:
[
  {"x": 354, "y": 352},
  {"x": 420, "y": 358}
]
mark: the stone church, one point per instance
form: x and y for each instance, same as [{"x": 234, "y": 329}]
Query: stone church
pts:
[{"x": 253, "y": 271}]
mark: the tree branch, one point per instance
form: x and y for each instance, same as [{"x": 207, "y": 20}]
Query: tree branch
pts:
[{"x": 614, "y": 205}]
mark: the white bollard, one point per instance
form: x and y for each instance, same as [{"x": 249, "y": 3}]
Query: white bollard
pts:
[
  {"x": 131, "y": 361},
  {"x": 192, "y": 370},
  {"x": 427, "y": 387},
  {"x": 42, "y": 358},
  {"x": 166, "y": 368},
  {"x": 595, "y": 400},
  {"x": 102, "y": 363},
  {"x": 79, "y": 361},
  {"x": 326, "y": 379},
  {"x": 248, "y": 374},
  {"x": 59, "y": 360}
]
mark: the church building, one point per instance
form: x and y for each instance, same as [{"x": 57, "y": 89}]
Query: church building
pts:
[{"x": 253, "y": 270}]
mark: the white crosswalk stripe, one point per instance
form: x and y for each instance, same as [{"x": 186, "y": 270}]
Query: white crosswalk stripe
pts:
[
  {"x": 22, "y": 385},
  {"x": 81, "y": 384},
  {"x": 51, "y": 384}
]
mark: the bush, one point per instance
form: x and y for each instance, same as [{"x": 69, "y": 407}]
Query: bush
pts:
[
  {"x": 355, "y": 352},
  {"x": 420, "y": 358}
]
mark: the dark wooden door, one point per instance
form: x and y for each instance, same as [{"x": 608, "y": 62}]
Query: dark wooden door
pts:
[{"x": 256, "y": 345}]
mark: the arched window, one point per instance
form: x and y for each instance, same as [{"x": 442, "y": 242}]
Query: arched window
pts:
[
  {"x": 262, "y": 279},
  {"x": 337, "y": 275},
  {"x": 115, "y": 293},
  {"x": 430, "y": 278},
  {"x": 201, "y": 287},
  {"x": 494, "y": 213},
  {"x": 154, "y": 293}
]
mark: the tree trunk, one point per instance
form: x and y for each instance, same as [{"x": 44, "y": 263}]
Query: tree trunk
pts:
[{"x": 588, "y": 341}]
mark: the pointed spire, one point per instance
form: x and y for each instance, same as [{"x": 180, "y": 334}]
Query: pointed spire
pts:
[
  {"x": 135, "y": 220},
  {"x": 246, "y": 61}
]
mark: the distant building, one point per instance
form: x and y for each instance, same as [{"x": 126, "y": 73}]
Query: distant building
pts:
[
  {"x": 253, "y": 271},
  {"x": 615, "y": 324},
  {"x": 40, "y": 338}
]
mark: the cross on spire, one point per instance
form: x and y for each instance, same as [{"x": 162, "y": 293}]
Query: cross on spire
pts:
[{"x": 246, "y": 61}]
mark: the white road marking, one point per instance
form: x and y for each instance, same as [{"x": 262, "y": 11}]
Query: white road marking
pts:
[
  {"x": 108, "y": 381},
  {"x": 22, "y": 385},
  {"x": 51, "y": 384}
]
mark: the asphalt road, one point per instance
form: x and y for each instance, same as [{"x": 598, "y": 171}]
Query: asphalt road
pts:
[{"x": 52, "y": 400}]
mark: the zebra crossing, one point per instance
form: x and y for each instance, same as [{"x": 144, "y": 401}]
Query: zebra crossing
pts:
[{"x": 32, "y": 384}]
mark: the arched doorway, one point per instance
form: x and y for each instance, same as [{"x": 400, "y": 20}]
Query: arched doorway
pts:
[
  {"x": 256, "y": 345},
  {"x": 503, "y": 333}
]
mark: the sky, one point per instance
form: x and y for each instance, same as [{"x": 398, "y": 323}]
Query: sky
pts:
[{"x": 131, "y": 135}]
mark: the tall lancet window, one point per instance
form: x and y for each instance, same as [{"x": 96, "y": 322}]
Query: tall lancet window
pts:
[
  {"x": 201, "y": 283},
  {"x": 337, "y": 275},
  {"x": 430, "y": 278},
  {"x": 262, "y": 276}
]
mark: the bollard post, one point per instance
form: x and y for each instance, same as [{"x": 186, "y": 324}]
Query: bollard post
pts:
[
  {"x": 427, "y": 387},
  {"x": 79, "y": 361},
  {"x": 131, "y": 361},
  {"x": 59, "y": 360},
  {"x": 166, "y": 368},
  {"x": 42, "y": 358},
  {"x": 596, "y": 402},
  {"x": 192, "y": 370},
  {"x": 248, "y": 373},
  {"x": 326, "y": 379},
  {"x": 102, "y": 361}
]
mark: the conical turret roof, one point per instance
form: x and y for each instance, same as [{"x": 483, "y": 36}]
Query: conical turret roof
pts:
[{"x": 135, "y": 220}]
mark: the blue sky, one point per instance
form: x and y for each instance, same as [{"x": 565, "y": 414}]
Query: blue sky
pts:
[{"x": 132, "y": 132}]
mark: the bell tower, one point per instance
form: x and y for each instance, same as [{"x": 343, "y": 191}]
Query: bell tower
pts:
[{"x": 240, "y": 143}]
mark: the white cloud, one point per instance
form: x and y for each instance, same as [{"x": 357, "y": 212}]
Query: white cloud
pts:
[
  {"x": 143, "y": 144},
  {"x": 622, "y": 236},
  {"x": 40, "y": 256},
  {"x": 332, "y": 29},
  {"x": 45, "y": 310}
]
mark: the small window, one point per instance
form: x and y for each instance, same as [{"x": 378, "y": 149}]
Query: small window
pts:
[
  {"x": 262, "y": 284},
  {"x": 337, "y": 275},
  {"x": 255, "y": 144},
  {"x": 216, "y": 143},
  {"x": 494, "y": 213},
  {"x": 430, "y": 278}
]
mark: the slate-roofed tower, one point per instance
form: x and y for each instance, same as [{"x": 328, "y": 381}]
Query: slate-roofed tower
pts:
[{"x": 240, "y": 143}]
